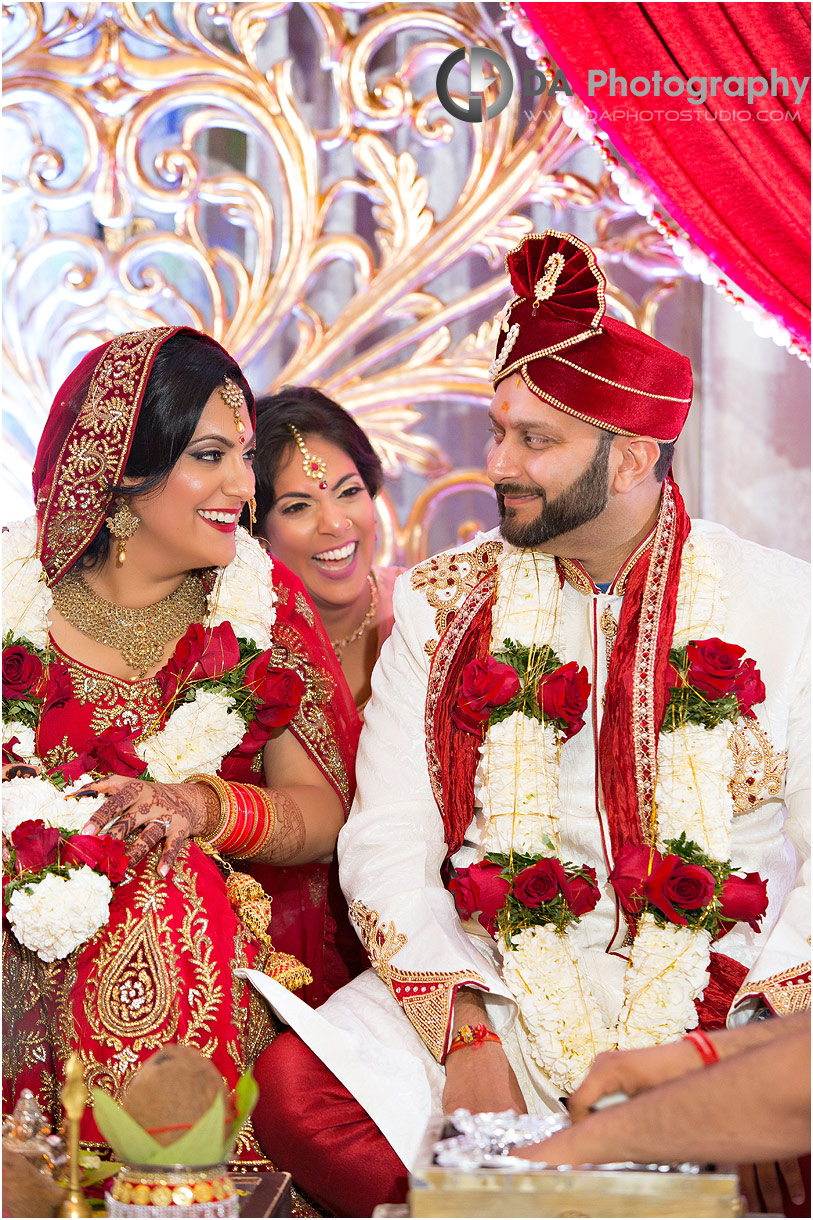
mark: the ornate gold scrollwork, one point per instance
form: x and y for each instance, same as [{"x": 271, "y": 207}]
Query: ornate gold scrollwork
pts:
[{"x": 317, "y": 212}]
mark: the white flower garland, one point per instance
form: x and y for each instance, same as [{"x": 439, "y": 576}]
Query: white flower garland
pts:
[
  {"x": 517, "y": 784},
  {"x": 199, "y": 734}
]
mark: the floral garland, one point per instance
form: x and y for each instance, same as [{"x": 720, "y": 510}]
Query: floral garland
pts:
[
  {"x": 220, "y": 695},
  {"x": 681, "y": 893},
  {"x": 218, "y": 690}
]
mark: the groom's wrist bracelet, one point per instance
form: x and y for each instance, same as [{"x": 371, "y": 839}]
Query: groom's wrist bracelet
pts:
[{"x": 469, "y": 1035}]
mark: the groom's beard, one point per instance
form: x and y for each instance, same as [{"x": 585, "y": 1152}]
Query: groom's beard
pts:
[{"x": 583, "y": 501}]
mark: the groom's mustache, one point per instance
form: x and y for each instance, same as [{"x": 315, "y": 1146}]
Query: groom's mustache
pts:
[{"x": 518, "y": 489}]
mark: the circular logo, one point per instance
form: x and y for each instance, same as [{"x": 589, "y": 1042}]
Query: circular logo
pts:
[{"x": 477, "y": 84}]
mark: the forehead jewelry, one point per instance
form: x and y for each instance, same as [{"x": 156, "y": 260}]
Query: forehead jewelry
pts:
[
  {"x": 232, "y": 395},
  {"x": 314, "y": 467}
]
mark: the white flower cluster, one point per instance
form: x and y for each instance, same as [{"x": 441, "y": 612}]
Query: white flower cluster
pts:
[
  {"x": 700, "y": 609},
  {"x": 195, "y": 739},
  {"x": 518, "y": 785},
  {"x": 243, "y": 594},
  {"x": 667, "y": 972},
  {"x": 564, "y": 1024},
  {"x": 26, "y": 746},
  {"x": 26, "y": 597},
  {"x": 526, "y": 603},
  {"x": 691, "y": 791},
  {"x": 32, "y": 798},
  {"x": 60, "y": 913}
]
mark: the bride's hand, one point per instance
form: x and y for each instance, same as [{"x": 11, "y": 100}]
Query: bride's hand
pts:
[{"x": 148, "y": 812}]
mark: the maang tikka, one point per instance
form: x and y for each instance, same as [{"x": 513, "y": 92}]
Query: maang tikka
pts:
[
  {"x": 232, "y": 395},
  {"x": 314, "y": 467}
]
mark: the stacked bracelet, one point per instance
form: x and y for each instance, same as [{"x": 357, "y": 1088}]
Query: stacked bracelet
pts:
[
  {"x": 247, "y": 818},
  {"x": 703, "y": 1045},
  {"x": 468, "y": 1036}
]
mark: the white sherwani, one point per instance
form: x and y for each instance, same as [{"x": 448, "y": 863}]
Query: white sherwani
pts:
[{"x": 383, "y": 1034}]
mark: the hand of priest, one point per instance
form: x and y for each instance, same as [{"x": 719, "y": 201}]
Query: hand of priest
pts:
[
  {"x": 632, "y": 1072},
  {"x": 145, "y": 813},
  {"x": 480, "y": 1079}
]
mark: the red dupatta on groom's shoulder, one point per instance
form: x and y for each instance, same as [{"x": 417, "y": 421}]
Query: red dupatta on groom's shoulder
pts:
[{"x": 635, "y": 698}]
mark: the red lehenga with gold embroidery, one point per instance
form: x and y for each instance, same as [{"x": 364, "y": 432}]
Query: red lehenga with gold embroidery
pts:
[{"x": 162, "y": 968}]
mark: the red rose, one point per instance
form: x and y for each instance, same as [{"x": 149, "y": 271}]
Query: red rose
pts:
[
  {"x": 563, "y": 696},
  {"x": 481, "y": 887},
  {"x": 204, "y": 652},
  {"x": 21, "y": 669},
  {"x": 713, "y": 666},
  {"x": 279, "y": 693},
  {"x": 630, "y": 874},
  {"x": 111, "y": 753},
  {"x": 539, "y": 883},
  {"x": 54, "y": 687},
  {"x": 581, "y": 893},
  {"x": 748, "y": 686},
  {"x": 10, "y": 755},
  {"x": 690, "y": 886},
  {"x": 485, "y": 685},
  {"x": 35, "y": 845},
  {"x": 656, "y": 887},
  {"x": 744, "y": 900},
  {"x": 102, "y": 853}
]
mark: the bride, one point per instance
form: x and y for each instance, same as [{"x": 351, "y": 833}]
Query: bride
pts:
[{"x": 189, "y": 682}]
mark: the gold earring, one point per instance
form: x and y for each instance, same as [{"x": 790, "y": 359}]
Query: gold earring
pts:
[
  {"x": 252, "y": 515},
  {"x": 232, "y": 395},
  {"x": 122, "y": 525}
]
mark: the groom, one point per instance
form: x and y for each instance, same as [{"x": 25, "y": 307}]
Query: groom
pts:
[{"x": 582, "y": 776}]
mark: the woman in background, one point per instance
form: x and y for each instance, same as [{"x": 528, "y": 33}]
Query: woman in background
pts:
[{"x": 317, "y": 476}]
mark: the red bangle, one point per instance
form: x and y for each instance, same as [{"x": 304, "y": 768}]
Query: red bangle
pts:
[
  {"x": 468, "y": 1036},
  {"x": 704, "y": 1047}
]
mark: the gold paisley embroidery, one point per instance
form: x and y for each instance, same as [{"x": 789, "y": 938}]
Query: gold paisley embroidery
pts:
[
  {"x": 135, "y": 995},
  {"x": 448, "y": 578},
  {"x": 303, "y": 607},
  {"x": 95, "y": 450},
  {"x": 59, "y": 755},
  {"x": 786, "y": 992},
  {"x": 609, "y": 629},
  {"x": 758, "y": 768},
  {"x": 136, "y": 705},
  {"x": 310, "y": 724},
  {"x": 426, "y": 996}
]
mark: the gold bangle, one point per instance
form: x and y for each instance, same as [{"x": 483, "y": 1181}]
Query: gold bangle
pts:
[
  {"x": 256, "y": 849},
  {"x": 228, "y": 812}
]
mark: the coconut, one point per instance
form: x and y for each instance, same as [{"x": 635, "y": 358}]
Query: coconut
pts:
[{"x": 172, "y": 1090}]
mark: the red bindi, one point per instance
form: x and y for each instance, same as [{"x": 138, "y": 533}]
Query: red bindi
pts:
[{"x": 323, "y": 486}]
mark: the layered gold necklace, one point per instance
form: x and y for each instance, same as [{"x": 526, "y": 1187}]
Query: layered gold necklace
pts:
[
  {"x": 340, "y": 645},
  {"x": 140, "y": 634}
]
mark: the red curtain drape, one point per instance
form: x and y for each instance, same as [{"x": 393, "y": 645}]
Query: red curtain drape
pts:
[{"x": 735, "y": 174}]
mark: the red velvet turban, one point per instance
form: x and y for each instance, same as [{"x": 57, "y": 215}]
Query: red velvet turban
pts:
[{"x": 556, "y": 335}]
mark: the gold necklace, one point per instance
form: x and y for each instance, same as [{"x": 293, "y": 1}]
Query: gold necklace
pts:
[
  {"x": 340, "y": 645},
  {"x": 140, "y": 634}
]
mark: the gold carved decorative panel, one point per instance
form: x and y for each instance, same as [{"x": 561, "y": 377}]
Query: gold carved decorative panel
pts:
[{"x": 284, "y": 177}]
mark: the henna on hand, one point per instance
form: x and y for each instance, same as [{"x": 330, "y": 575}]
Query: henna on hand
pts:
[
  {"x": 152, "y": 812},
  {"x": 289, "y": 831}
]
